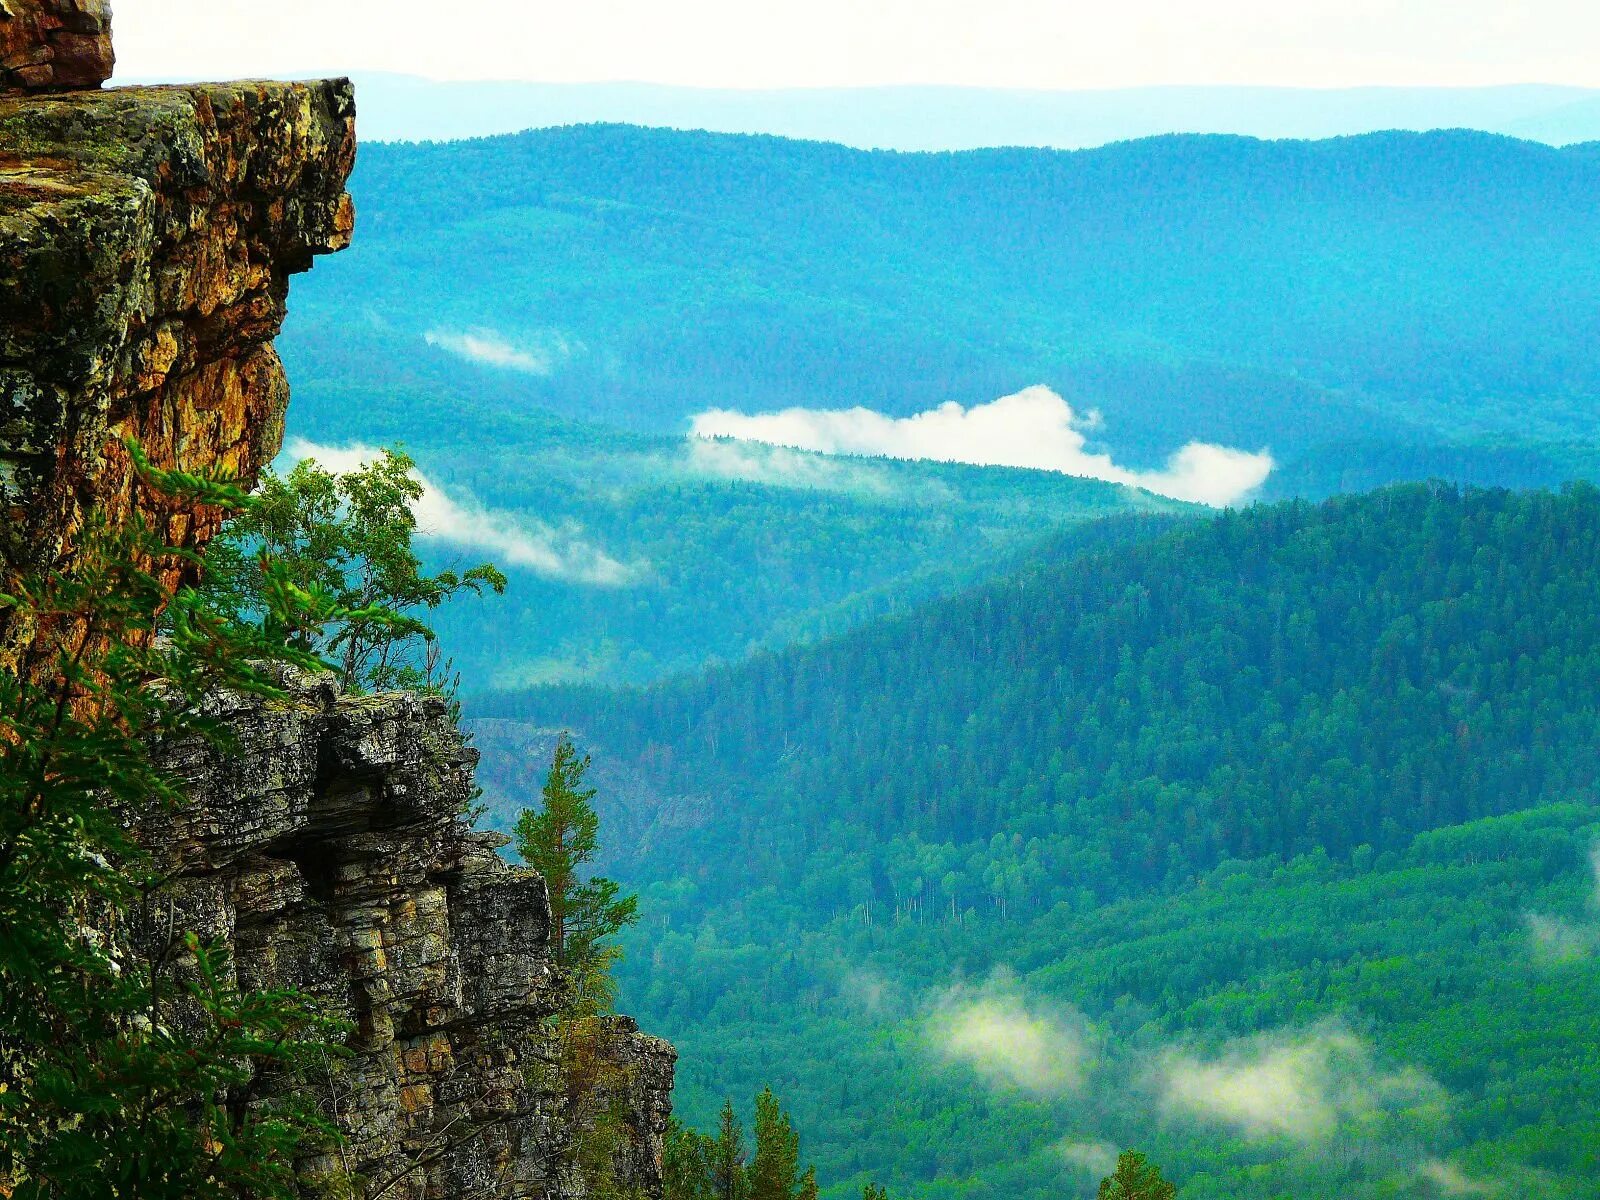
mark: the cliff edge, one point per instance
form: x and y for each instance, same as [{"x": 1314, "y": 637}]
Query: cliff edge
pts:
[
  {"x": 147, "y": 237},
  {"x": 327, "y": 848}
]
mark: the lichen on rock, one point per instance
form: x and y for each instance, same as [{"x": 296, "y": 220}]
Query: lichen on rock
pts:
[
  {"x": 326, "y": 848},
  {"x": 147, "y": 236}
]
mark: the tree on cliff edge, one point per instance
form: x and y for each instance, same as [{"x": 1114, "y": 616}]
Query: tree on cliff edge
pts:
[
  {"x": 130, "y": 1060},
  {"x": 351, "y": 535},
  {"x": 559, "y": 840},
  {"x": 1135, "y": 1179}
]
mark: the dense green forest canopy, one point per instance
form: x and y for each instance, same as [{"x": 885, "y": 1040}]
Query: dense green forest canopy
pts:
[
  {"x": 1298, "y": 791},
  {"x": 1275, "y": 680},
  {"x": 1373, "y": 308}
]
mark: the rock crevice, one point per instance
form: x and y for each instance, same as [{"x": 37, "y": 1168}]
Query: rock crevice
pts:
[{"x": 326, "y": 848}]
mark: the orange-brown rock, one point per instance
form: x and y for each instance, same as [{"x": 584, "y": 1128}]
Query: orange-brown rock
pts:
[
  {"x": 54, "y": 44},
  {"x": 147, "y": 236}
]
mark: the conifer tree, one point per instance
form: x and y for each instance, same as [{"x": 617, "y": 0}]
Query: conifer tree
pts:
[
  {"x": 775, "y": 1169},
  {"x": 728, "y": 1176},
  {"x": 1135, "y": 1179},
  {"x": 558, "y": 841}
]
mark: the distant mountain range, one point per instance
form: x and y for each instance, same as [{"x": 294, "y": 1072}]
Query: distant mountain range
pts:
[
  {"x": 408, "y": 108},
  {"x": 1368, "y": 309}
]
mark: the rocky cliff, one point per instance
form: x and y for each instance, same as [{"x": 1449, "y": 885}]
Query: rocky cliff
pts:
[
  {"x": 147, "y": 237},
  {"x": 327, "y": 847}
]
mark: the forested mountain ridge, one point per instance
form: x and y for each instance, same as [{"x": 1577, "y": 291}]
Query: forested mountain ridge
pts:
[
  {"x": 1298, "y": 793},
  {"x": 1368, "y": 308},
  {"x": 632, "y": 556},
  {"x": 1273, "y": 680}
]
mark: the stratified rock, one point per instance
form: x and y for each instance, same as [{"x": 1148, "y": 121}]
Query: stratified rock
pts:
[
  {"x": 54, "y": 44},
  {"x": 326, "y": 847},
  {"x": 147, "y": 236}
]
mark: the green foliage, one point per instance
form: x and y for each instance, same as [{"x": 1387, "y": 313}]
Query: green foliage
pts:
[
  {"x": 701, "y": 1166},
  {"x": 1135, "y": 1179},
  {"x": 1272, "y": 681},
  {"x": 350, "y": 536},
  {"x": 128, "y": 1064},
  {"x": 1284, "y": 767},
  {"x": 729, "y": 1177},
  {"x": 775, "y": 1170},
  {"x": 559, "y": 840},
  {"x": 688, "y": 1164}
]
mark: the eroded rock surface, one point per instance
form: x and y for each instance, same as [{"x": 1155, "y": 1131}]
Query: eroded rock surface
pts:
[
  {"x": 327, "y": 848},
  {"x": 147, "y": 236},
  {"x": 46, "y": 44}
]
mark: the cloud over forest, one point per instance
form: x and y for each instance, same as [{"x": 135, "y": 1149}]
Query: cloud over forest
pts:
[{"x": 1033, "y": 428}]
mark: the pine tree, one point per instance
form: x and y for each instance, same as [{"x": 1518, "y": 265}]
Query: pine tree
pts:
[
  {"x": 775, "y": 1170},
  {"x": 687, "y": 1164},
  {"x": 558, "y": 841},
  {"x": 1135, "y": 1179},
  {"x": 727, "y": 1158}
]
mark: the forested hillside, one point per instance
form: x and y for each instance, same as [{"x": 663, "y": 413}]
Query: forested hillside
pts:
[
  {"x": 1390, "y": 306},
  {"x": 1218, "y": 784}
]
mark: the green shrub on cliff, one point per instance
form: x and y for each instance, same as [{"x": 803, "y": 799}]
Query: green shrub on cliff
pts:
[
  {"x": 129, "y": 1063},
  {"x": 351, "y": 535},
  {"x": 558, "y": 840}
]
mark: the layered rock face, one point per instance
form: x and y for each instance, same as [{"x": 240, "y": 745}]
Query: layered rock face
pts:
[
  {"x": 327, "y": 849},
  {"x": 48, "y": 44},
  {"x": 147, "y": 236}
]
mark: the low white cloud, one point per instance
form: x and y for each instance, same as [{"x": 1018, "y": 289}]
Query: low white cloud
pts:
[
  {"x": 1097, "y": 1159},
  {"x": 1450, "y": 1180},
  {"x": 873, "y": 993},
  {"x": 1034, "y": 428},
  {"x": 1557, "y": 940},
  {"x": 1011, "y": 1043},
  {"x": 1302, "y": 1085},
  {"x": 539, "y": 354},
  {"x": 782, "y": 466},
  {"x": 513, "y": 540}
]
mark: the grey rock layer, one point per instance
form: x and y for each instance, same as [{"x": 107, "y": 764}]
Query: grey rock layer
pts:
[{"x": 327, "y": 848}]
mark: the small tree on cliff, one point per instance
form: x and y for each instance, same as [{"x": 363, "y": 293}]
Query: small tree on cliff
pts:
[
  {"x": 729, "y": 1178},
  {"x": 1135, "y": 1179},
  {"x": 350, "y": 535},
  {"x": 559, "y": 840},
  {"x": 775, "y": 1169},
  {"x": 128, "y": 1060}
]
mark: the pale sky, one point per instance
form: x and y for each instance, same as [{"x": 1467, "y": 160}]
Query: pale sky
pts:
[{"x": 815, "y": 43}]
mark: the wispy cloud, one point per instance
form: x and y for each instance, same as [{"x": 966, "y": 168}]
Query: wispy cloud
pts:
[
  {"x": 1035, "y": 428},
  {"x": 782, "y": 466},
  {"x": 1450, "y": 1180},
  {"x": 1097, "y": 1159},
  {"x": 1302, "y": 1085},
  {"x": 538, "y": 354},
  {"x": 1558, "y": 940},
  {"x": 1008, "y": 1041},
  {"x": 514, "y": 540}
]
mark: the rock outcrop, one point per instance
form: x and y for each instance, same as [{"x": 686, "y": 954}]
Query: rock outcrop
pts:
[
  {"x": 147, "y": 236},
  {"x": 327, "y": 848},
  {"x": 46, "y": 44}
]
